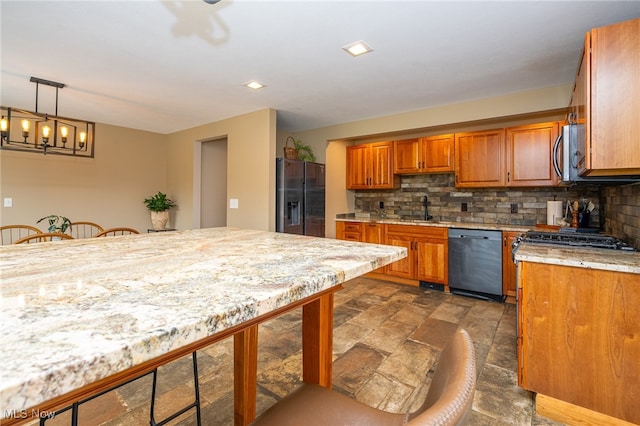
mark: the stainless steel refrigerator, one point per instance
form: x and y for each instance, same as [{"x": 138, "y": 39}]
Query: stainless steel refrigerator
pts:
[{"x": 300, "y": 194}]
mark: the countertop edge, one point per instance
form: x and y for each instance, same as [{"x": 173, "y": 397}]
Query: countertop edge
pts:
[{"x": 438, "y": 224}]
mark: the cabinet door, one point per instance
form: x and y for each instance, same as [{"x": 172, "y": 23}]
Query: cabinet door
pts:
[
  {"x": 508, "y": 266},
  {"x": 578, "y": 330},
  {"x": 615, "y": 100},
  {"x": 437, "y": 154},
  {"x": 373, "y": 233},
  {"x": 529, "y": 151},
  {"x": 403, "y": 267},
  {"x": 406, "y": 156},
  {"x": 480, "y": 159},
  {"x": 358, "y": 167},
  {"x": 432, "y": 260},
  {"x": 382, "y": 165}
]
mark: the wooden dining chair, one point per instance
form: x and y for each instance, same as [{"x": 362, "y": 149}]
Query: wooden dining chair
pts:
[
  {"x": 117, "y": 231},
  {"x": 9, "y": 234},
  {"x": 84, "y": 229},
  {"x": 448, "y": 401},
  {"x": 44, "y": 236}
]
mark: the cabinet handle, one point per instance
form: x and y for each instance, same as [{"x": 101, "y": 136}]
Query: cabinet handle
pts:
[{"x": 508, "y": 176}]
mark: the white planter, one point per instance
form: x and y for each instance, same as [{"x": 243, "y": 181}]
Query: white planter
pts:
[{"x": 159, "y": 219}]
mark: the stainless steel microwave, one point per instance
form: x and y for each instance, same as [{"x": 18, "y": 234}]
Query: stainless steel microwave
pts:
[{"x": 566, "y": 156}]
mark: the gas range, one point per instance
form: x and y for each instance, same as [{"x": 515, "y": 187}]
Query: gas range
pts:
[{"x": 574, "y": 239}]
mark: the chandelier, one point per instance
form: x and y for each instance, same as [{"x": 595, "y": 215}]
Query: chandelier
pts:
[{"x": 49, "y": 134}]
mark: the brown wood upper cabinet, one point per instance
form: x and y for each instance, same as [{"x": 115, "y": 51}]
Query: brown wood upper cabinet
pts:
[
  {"x": 433, "y": 154},
  {"x": 606, "y": 101},
  {"x": 370, "y": 166},
  {"x": 516, "y": 156},
  {"x": 529, "y": 151},
  {"x": 479, "y": 158}
]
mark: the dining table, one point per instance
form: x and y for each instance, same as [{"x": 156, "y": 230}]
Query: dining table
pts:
[{"x": 79, "y": 317}]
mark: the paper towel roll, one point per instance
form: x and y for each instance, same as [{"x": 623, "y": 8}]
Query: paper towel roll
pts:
[{"x": 554, "y": 211}]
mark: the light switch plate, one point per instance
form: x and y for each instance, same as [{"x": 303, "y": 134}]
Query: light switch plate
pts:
[
  {"x": 8, "y": 202},
  {"x": 233, "y": 203}
]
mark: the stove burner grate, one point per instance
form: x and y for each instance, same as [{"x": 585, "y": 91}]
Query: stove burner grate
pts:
[{"x": 576, "y": 240}]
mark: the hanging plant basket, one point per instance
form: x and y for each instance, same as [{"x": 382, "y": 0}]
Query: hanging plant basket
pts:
[{"x": 290, "y": 152}]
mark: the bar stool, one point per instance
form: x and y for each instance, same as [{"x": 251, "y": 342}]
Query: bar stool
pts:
[{"x": 152, "y": 421}]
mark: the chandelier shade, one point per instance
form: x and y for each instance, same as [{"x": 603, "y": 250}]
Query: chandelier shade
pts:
[{"x": 29, "y": 131}]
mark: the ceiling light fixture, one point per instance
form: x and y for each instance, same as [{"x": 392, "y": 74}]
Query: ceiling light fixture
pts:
[
  {"x": 357, "y": 48},
  {"x": 255, "y": 85},
  {"x": 52, "y": 134}
]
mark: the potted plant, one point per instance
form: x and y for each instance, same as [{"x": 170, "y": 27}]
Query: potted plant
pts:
[
  {"x": 299, "y": 150},
  {"x": 305, "y": 152},
  {"x": 56, "y": 223},
  {"x": 159, "y": 206}
]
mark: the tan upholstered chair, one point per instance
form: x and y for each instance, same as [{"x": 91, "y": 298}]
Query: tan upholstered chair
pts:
[
  {"x": 43, "y": 236},
  {"x": 9, "y": 234},
  {"x": 84, "y": 229},
  {"x": 448, "y": 401},
  {"x": 116, "y": 231}
]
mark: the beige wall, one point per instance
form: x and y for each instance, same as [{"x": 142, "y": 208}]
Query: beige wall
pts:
[
  {"x": 251, "y": 142},
  {"x": 129, "y": 165}
]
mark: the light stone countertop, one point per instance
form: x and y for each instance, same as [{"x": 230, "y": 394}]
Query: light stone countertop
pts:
[
  {"x": 582, "y": 257},
  {"x": 75, "y": 311},
  {"x": 435, "y": 223}
]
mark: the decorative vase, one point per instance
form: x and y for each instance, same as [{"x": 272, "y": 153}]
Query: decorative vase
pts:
[{"x": 159, "y": 219}]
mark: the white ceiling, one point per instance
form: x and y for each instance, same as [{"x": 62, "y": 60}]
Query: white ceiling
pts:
[{"x": 166, "y": 66}]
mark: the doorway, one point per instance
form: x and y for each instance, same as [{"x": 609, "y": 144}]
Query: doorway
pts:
[{"x": 213, "y": 183}]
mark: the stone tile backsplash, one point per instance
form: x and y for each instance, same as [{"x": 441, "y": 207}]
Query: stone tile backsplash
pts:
[
  {"x": 622, "y": 213},
  {"x": 489, "y": 206}
]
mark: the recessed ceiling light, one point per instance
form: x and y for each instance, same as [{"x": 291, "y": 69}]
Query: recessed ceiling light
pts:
[
  {"x": 254, "y": 85},
  {"x": 357, "y": 48}
]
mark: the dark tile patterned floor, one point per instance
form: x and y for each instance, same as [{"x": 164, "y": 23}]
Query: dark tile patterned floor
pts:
[{"x": 387, "y": 339}]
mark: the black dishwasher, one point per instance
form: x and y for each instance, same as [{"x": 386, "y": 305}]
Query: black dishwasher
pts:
[{"x": 475, "y": 263}]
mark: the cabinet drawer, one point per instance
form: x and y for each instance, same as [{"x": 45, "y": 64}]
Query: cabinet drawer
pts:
[
  {"x": 352, "y": 227},
  {"x": 422, "y": 231},
  {"x": 352, "y": 236}
]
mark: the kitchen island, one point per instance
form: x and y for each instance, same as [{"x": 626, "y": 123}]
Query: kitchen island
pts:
[
  {"x": 80, "y": 316},
  {"x": 579, "y": 332}
]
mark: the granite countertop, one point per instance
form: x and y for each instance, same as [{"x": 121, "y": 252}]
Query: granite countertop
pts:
[
  {"x": 351, "y": 217},
  {"x": 582, "y": 257},
  {"x": 75, "y": 311}
]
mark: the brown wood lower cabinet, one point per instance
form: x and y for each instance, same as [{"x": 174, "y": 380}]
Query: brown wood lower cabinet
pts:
[
  {"x": 350, "y": 231},
  {"x": 579, "y": 341},
  {"x": 427, "y": 258},
  {"x": 508, "y": 267},
  {"x": 427, "y": 248}
]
